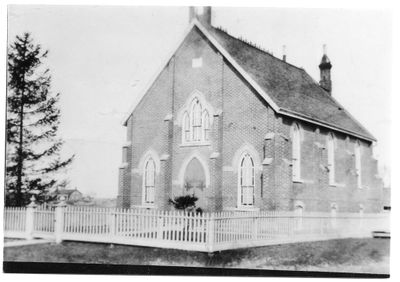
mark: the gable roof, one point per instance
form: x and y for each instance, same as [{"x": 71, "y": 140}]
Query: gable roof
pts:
[{"x": 289, "y": 90}]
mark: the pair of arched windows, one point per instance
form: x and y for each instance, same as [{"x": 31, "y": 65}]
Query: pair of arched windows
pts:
[
  {"x": 196, "y": 123},
  {"x": 331, "y": 160},
  {"x": 296, "y": 155}
]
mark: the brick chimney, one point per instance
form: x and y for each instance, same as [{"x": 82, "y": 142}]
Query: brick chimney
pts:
[
  {"x": 201, "y": 13},
  {"x": 325, "y": 72}
]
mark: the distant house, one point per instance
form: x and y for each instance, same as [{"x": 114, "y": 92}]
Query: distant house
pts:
[{"x": 72, "y": 195}]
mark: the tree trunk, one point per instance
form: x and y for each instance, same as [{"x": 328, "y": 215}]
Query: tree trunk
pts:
[{"x": 20, "y": 163}]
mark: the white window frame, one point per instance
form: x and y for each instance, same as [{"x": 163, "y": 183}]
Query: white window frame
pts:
[
  {"x": 199, "y": 122},
  {"x": 357, "y": 157},
  {"x": 331, "y": 158},
  {"x": 240, "y": 201},
  {"x": 145, "y": 188},
  {"x": 206, "y": 126},
  {"x": 186, "y": 128},
  {"x": 296, "y": 152}
]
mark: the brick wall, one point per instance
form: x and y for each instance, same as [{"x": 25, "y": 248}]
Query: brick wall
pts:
[{"x": 241, "y": 119}]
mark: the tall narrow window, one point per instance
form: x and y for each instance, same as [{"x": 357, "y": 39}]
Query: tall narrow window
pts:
[
  {"x": 296, "y": 152},
  {"x": 206, "y": 126},
  {"x": 186, "y": 127},
  {"x": 149, "y": 181},
  {"x": 196, "y": 120},
  {"x": 247, "y": 181},
  {"x": 331, "y": 159},
  {"x": 357, "y": 155}
]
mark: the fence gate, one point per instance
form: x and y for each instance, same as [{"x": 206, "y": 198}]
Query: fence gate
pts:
[{"x": 44, "y": 222}]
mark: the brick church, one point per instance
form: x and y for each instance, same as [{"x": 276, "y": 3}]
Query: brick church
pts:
[{"x": 244, "y": 130}]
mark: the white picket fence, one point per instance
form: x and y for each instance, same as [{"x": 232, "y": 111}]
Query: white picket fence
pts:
[{"x": 207, "y": 232}]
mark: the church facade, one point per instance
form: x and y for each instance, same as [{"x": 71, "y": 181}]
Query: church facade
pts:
[{"x": 244, "y": 130}]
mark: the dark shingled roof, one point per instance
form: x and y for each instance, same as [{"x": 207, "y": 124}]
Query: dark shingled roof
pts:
[{"x": 290, "y": 87}]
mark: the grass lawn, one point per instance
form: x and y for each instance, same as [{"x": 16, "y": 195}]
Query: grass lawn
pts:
[{"x": 344, "y": 255}]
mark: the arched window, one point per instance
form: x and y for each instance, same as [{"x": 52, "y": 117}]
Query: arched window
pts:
[
  {"x": 186, "y": 127},
  {"x": 331, "y": 159},
  {"x": 195, "y": 123},
  {"x": 149, "y": 181},
  {"x": 247, "y": 181},
  {"x": 296, "y": 156},
  {"x": 196, "y": 120},
  {"x": 357, "y": 155},
  {"x": 206, "y": 126}
]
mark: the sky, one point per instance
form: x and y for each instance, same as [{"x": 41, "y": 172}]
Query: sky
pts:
[{"x": 101, "y": 57}]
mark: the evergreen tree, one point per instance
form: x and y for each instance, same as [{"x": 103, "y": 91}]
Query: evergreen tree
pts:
[{"x": 33, "y": 147}]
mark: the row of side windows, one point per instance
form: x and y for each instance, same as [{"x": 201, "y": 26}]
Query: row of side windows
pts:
[
  {"x": 246, "y": 181},
  {"x": 330, "y": 146}
]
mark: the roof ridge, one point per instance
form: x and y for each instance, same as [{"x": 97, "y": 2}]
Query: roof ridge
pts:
[{"x": 221, "y": 29}]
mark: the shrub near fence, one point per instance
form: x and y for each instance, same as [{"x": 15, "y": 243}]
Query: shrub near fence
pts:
[{"x": 206, "y": 232}]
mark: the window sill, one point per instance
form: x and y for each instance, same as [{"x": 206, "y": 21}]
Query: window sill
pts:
[
  {"x": 147, "y": 206},
  {"x": 195, "y": 144},
  {"x": 298, "y": 180},
  {"x": 336, "y": 184},
  {"x": 245, "y": 208}
]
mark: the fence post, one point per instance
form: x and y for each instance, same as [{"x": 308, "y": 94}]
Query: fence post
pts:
[
  {"x": 59, "y": 220},
  {"x": 111, "y": 222},
  {"x": 30, "y": 218},
  {"x": 210, "y": 232},
  {"x": 160, "y": 223},
  {"x": 255, "y": 226}
]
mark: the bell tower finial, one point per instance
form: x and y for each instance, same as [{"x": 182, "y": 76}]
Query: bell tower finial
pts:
[{"x": 325, "y": 71}]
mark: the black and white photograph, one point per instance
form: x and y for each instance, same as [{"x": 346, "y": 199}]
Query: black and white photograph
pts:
[{"x": 198, "y": 140}]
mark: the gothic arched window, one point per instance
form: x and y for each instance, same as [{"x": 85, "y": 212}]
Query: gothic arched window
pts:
[
  {"x": 296, "y": 152},
  {"x": 246, "y": 181},
  {"x": 206, "y": 127},
  {"x": 186, "y": 127},
  {"x": 357, "y": 155},
  {"x": 149, "y": 181},
  {"x": 196, "y": 123},
  {"x": 196, "y": 120},
  {"x": 331, "y": 158}
]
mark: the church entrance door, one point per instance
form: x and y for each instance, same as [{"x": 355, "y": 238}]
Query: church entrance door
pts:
[{"x": 195, "y": 181}]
